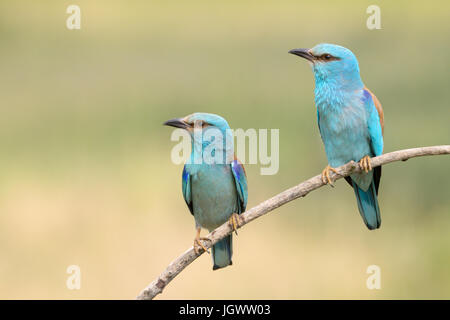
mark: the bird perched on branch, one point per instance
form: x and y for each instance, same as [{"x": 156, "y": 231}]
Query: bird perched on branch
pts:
[
  {"x": 350, "y": 121},
  {"x": 214, "y": 182}
]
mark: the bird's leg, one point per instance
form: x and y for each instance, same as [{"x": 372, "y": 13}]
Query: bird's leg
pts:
[
  {"x": 198, "y": 244},
  {"x": 365, "y": 164},
  {"x": 234, "y": 221},
  {"x": 326, "y": 175}
]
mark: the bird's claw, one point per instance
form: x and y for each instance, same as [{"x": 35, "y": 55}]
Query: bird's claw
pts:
[
  {"x": 326, "y": 179},
  {"x": 234, "y": 222},
  {"x": 198, "y": 245},
  {"x": 365, "y": 164}
]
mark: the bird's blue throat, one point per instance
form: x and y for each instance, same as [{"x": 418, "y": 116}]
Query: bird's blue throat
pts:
[
  {"x": 334, "y": 93},
  {"x": 212, "y": 146}
]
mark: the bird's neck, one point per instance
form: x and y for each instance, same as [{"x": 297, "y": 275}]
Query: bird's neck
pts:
[
  {"x": 207, "y": 152},
  {"x": 334, "y": 93}
]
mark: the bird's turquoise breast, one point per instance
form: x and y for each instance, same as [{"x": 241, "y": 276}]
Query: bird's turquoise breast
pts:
[
  {"x": 344, "y": 132},
  {"x": 214, "y": 196}
]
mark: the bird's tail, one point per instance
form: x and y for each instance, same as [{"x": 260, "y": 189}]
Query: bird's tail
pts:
[
  {"x": 222, "y": 252},
  {"x": 368, "y": 205}
]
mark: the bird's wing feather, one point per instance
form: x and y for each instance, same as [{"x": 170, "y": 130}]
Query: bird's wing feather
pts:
[
  {"x": 186, "y": 186},
  {"x": 375, "y": 122},
  {"x": 240, "y": 179}
]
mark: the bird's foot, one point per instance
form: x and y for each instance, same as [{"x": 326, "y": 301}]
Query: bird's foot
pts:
[
  {"x": 235, "y": 222},
  {"x": 198, "y": 245},
  {"x": 326, "y": 175},
  {"x": 365, "y": 164}
]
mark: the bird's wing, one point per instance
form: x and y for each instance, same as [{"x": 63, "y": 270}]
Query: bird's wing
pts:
[
  {"x": 375, "y": 125},
  {"x": 375, "y": 121},
  {"x": 240, "y": 179},
  {"x": 186, "y": 186}
]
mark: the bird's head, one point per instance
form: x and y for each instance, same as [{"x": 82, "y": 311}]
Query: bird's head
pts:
[
  {"x": 331, "y": 63},
  {"x": 199, "y": 120},
  {"x": 208, "y": 132}
]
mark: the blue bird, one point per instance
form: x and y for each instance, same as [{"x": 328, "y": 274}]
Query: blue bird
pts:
[
  {"x": 351, "y": 122},
  {"x": 214, "y": 181}
]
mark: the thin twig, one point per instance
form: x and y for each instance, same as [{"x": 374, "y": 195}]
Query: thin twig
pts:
[{"x": 300, "y": 190}]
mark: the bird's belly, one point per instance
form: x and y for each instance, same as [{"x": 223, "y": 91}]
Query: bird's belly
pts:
[
  {"x": 345, "y": 136},
  {"x": 214, "y": 196}
]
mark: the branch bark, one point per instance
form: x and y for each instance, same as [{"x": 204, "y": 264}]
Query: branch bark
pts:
[{"x": 300, "y": 190}]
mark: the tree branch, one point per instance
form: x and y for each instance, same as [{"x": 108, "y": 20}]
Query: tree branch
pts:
[{"x": 300, "y": 190}]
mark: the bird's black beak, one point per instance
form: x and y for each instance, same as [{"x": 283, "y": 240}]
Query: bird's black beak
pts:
[
  {"x": 304, "y": 53},
  {"x": 177, "y": 123}
]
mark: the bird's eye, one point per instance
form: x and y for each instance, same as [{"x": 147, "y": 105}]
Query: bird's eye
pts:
[{"x": 327, "y": 56}]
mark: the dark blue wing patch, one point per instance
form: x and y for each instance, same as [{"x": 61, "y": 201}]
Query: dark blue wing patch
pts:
[
  {"x": 186, "y": 188},
  {"x": 240, "y": 179}
]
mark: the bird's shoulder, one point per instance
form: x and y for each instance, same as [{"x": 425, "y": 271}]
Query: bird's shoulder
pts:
[
  {"x": 238, "y": 167},
  {"x": 240, "y": 178},
  {"x": 377, "y": 104},
  {"x": 186, "y": 188}
]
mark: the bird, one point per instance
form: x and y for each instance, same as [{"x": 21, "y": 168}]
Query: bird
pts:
[
  {"x": 351, "y": 122},
  {"x": 214, "y": 181}
]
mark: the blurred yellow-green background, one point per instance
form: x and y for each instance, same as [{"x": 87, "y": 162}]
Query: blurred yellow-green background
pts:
[{"x": 85, "y": 171}]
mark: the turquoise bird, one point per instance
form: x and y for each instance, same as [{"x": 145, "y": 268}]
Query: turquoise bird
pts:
[
  {"x": 214, "y": 182},
  {"x": 351, "y": 122}
]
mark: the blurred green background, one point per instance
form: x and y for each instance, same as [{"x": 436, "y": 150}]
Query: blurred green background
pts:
[{"x": 85, "y": 170}]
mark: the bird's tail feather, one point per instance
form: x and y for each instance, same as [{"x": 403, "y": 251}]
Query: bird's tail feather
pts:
[
  {"x": 222, "y": 252},
  {"x": 368, "y": 205}
]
